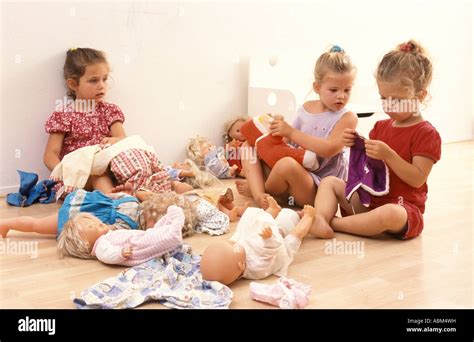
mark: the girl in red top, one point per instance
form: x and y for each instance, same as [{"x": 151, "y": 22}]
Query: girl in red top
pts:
[
  {"x": 86, "y": 119},
  {"x": 407, "y": 143}
]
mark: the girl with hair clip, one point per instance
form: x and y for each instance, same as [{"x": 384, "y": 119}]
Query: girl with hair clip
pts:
[
  {"x": 317, "y": 128},
  {"x": 88, "y": 119},
  {"x": 408, "y": 145}
]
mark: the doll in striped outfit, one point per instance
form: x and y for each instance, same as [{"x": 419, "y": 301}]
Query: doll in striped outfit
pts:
[{"x": 87, "y": 237}]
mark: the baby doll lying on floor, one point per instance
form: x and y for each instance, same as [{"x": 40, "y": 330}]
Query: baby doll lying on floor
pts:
[{"x": 264, "y": 244}]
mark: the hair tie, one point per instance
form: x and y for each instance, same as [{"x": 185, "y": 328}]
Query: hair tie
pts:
[
  {"x": 407, "y": 47},
  {"x": 73, "y": 49},
  {"x": 336, "y": 48}
]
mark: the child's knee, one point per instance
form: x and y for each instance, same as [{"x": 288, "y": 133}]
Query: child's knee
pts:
[
  {"x": 332, "y": 181},
  {"x": 286, "y": 166},
  {"x": 391, "y": 216}
]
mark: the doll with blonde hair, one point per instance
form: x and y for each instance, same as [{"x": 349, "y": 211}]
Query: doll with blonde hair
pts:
[
  {"x": 190, "y": 175},
  {"x": 264, "y": 243},
  {"x": 85, "y": 236},
  {"x": 206, "y": 155},
  {"x": 201, "y": 213}
]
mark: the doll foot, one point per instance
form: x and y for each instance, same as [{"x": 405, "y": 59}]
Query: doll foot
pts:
[
  {"x": 273, "y": 205},
  {"x": 321, "y": 228},
  {"x": 233, "y": 214},
  {"x": 309, "y": 211},
  {"x": 242, "y": 209}
]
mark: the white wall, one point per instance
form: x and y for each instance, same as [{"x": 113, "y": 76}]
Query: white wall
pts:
[{"x": 181, "y": 68}]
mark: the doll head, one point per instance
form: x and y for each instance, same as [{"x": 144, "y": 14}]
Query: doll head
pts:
[
  {"x": 223, "y": 261},
  {"x": 155, "y": 207},
  {"x": 232, "y": 129},
  {"x": 197, "y": 149},
  {"x": 80, "y": 234}
]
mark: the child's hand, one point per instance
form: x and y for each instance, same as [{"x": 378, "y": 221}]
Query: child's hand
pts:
[
  {"x": 280, "y": 127},
  {"x": 348, "y": 137},
  {"x": 107, "y": 141},
  {"x": 127, "y": 251},
  {"x": 377, "y": 149},
  {"x": 266, "y": 233}
]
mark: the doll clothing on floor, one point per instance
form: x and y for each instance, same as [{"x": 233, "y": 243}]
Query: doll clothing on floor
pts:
[
  {"x": 31, "y": 192},
  {"x": 173, "y": 280},
  {"x": 286, "y": 293}
]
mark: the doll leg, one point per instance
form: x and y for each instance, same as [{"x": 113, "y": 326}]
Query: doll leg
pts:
[
  {"x": 232, "y": 213},
  {"x": 180, "y": 188},
  {"x": 304, "y": 225},
  {"x": 289, "y": 178},
  {"x": 273, "y": 207},
  {"x": 44, "y": 225}
]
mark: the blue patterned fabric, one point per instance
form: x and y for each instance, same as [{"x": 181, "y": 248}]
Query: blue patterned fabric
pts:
[
  {"x": 101, "y": 206},
  {"x": 174, "y": 280}
]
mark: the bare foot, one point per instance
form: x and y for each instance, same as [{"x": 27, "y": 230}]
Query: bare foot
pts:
[
  {"x": 126, "y": 188},
  {"x": 262, "y": 201},
  {"x": 321, "y": 228},
  {"x": 243, "y": 188},
  {"x": 4, "y": 231}
]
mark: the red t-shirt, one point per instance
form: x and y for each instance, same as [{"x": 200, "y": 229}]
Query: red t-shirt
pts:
[
  {"x": 81, "y": 128},
  {"x": 422, "y": 140}
]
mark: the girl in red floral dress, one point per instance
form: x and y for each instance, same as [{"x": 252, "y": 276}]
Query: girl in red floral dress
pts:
[{"x": 86, "y": 119}]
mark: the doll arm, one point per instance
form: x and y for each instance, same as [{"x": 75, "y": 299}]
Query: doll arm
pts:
[
  {"x": 186, "y": 173},
  {"x": 108, "y": 253},
  {"x": 269, "y": 240}
]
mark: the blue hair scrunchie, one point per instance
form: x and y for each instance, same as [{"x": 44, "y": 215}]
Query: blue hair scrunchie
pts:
[{"x": 336, "y": 48}]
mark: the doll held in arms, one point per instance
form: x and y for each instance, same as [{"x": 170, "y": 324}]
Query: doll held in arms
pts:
[
  {"x": 233, "y": 139},
  {"x": 206, "y": 155},
  {"x": 264, "y": 243},
  {"x": 273, "y": 148}
]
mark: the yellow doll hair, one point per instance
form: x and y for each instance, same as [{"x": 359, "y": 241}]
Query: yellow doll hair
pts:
[
  {"x": 70, "y": 242},
  {"x": 158, "y": 203}
]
